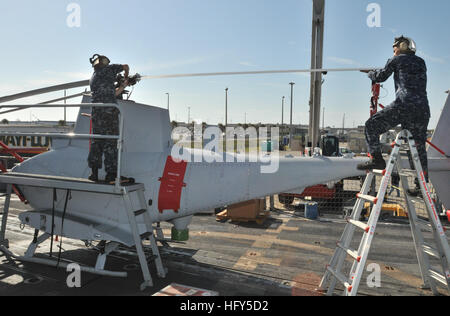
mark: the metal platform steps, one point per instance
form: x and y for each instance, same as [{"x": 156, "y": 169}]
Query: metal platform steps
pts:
[{"x": 84, "y": 185}]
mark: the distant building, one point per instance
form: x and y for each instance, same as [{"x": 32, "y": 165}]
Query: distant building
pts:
[{"x": 31, "y": 143}]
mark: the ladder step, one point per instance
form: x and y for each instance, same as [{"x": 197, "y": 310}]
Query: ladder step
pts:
[
  {"x": 404, "y": 173},
  {"x": 359, "y": 224},
  {"x": 341, "y": 278},
  {"x": 146, "y": 235},
  {"x": 352, "y": 253},
  {"x": 367, "y": 198},
  {"x": 409, "y": 172},
  {"x": 431, "y": 251},
  {"x": 140, "y": 212},
  {"x": 438, "y": 277},
  {"x": 379, "y": 172}
]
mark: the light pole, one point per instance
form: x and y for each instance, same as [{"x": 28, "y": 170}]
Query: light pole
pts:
[
  {"x": 282, "y": 111},
  {"x": 168, "y": 101},
  {"x": 189, "y": 115},
  {"x": 226, "y": 107},
  {"x": 65, "y": 108},
  {"x": 292, "y": 108}
]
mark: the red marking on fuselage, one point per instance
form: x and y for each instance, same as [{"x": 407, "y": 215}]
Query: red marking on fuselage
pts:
[{"x": 172, "y": 184}]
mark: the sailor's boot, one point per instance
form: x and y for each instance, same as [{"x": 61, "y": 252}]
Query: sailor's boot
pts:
[
  {"x": 377, "y": 162},
  {"x": 110, "y": 178},
  {"x": 94, "y": 175}
]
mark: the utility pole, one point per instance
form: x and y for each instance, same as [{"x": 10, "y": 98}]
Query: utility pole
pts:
[
  {"x": 168, "y": 101},
  {"x": 226, "y": 107},
  {"x": 292, "y": 110},
  {"x": 189, "y": 115},
  {"x": 282, "y": 111},
  {"x": 318, "y": 24}
]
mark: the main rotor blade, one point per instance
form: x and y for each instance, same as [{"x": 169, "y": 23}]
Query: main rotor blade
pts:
[
  {"x": 47, "y": 102},
  {"x": 209, "y": 74},
  {"x": 84, "y": 83},
  {"x": 71, "y": 85}
]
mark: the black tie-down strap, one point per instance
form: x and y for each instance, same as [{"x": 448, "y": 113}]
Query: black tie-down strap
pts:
[
  {"x": 54, "y": 199},
  {"x": 68, "y": 196}
]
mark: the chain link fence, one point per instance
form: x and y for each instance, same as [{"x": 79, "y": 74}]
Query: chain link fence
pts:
[{"x": 340, "y": 199}]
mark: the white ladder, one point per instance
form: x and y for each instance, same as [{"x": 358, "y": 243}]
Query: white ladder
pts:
[
  {"x": 139, "y": 238},
  {"x": 430, "y": 276}
]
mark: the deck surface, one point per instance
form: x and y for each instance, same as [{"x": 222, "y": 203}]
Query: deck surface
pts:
[{"x": 285, "y": 256}]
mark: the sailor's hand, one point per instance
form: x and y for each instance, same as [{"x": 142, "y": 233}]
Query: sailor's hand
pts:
[{"x": 126, "y": 82}]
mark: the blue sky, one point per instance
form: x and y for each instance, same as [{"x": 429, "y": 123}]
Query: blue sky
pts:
[{"x": 185, "y": 36}]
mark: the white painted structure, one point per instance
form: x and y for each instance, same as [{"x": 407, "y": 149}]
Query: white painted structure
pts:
[{"x": 146, "y": 146}]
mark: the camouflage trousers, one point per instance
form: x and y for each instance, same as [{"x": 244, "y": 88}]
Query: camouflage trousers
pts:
[
  {"x": 104, "y": 122},
  {"x": 413, "y": 118}
]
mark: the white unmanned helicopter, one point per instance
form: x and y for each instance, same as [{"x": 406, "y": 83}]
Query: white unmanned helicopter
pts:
[{"x": 66, "y": 204}]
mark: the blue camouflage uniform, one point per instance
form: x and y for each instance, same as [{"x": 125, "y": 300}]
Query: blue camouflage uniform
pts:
[
  {"x": 105, "y": 121},
  {"x": 410, "y": 108}
]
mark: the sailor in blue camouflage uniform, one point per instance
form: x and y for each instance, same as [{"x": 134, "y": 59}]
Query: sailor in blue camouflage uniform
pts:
[
  {"x": 105, "y": 121},
  {"x": 410, "y": 108}
]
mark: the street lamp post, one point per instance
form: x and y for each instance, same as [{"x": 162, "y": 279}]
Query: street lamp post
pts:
[
  {"x": 189, "y": 115},
  {"x": 168, "y": 101},
  {"x": 65, "y": 108},
  {"x": 226, "y": 107},
  {"x": 282, "y": 111},
  {"x": 292, "y": 108}
]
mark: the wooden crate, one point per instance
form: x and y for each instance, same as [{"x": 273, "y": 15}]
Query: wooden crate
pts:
[{"x": 250, "y": 211}]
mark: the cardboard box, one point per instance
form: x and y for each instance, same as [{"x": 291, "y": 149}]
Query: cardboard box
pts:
[{"x": 246, "y": 210}]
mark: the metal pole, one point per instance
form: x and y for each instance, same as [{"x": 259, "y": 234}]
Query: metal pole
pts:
[
  {"x": 168, "y": 101},
  {"x": 343, "y": 126},
  {"x": 189, "y": 115},
  {"x": 318, "y": 23},
  {"x": 282, "y": 111},
  {"x": 226, "y": 107},
  {"x": 65, "y": 108},
  {"x": 119, "y": 151},
  {"x": 292, "y": 110}
]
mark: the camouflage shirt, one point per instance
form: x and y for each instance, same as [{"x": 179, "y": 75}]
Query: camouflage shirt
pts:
[
  {"x": 410, "y": 76},
  {"x": 102, "y": 84}
]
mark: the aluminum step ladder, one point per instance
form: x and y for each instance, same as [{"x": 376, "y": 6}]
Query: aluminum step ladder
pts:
[
  {"x": 139, "y": 238},
  {"x": 430, "y": 276}
]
